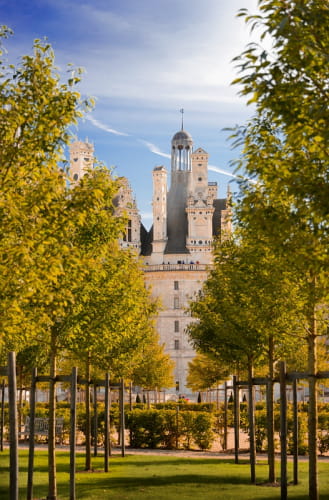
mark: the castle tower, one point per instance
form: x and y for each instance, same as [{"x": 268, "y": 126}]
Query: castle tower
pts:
[
  {"x": 200, "y": 210},
  {"x": 180, "y": 186},
  {"x": 176, "y": 270},
  {"x": 81, "y": 159},
  {"x": 125, "y": 205},
  {"x": 159, "y": 213},
  {"x": 200, "y": 172},
  {"x": 177, "y": 250}
]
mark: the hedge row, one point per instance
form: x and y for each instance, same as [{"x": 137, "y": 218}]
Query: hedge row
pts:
[
  {"x": 261, "y": 427},
  {"x": 189, "y": 425},
  {"x": 170, "y": 429}
]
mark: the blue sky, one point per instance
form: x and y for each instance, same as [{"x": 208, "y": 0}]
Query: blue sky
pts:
[{"x": 144, "y": 60}]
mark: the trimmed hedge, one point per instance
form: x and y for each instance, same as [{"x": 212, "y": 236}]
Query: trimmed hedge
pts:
[
  {"x": 170, "y": 429},
  {"x": 186, "y": 425}
]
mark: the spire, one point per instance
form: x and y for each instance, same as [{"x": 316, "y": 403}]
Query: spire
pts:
[{"x": 182, "y": 111}]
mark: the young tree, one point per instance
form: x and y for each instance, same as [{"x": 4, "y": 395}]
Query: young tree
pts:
[
  {"x": 285, "y": 146},
  {"x": 206, "y": 372},
  {"x": 154, "y": 368},
  {"x": 63, "y": 280},
  {"x": 110, "y": 322},
  {"x": 35, "y": 112},
  {"x": 243, "y": 314}
]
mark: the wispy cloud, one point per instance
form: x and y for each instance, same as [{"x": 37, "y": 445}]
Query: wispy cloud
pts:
[
  {"x": 154, "y": 149},
  {"x": 139, "y": 45},
  {"x": 225, "y": 172},
  {"x": 222, "y": 171},
  {"x": 151, "y": 147},
  {"x": 102, "y": 126}
]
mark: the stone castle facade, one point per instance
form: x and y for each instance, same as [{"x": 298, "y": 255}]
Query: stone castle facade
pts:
[{"x": 177, "y": 250}]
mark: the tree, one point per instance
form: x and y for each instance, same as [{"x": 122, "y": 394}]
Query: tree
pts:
[
  {"x": 63, "y": 280},
  {"x": 244, "y": 316},
  {"x": 205, "y": 372},
  {"x": 110, "y": 322},
  {"x": 154, "y": 368},
  {"x": 36, "y": 111},
  {"x": 285, "y": 147}
]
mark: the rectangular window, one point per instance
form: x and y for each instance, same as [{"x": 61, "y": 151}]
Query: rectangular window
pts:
[
  {"x": 176, "y": 285},
  {"x": 176, "y": 303},
  {"x": 176, "y": 326},
  {"x": 176, "y": 345}
]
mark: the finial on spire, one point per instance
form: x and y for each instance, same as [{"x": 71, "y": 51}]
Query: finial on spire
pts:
[{"x": 182, "y": 111}]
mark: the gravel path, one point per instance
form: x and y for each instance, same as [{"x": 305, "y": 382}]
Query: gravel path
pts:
[{"x": 116, "y": 451}]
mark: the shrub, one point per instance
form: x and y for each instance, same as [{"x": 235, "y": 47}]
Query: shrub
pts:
[
  {"x": 173, "y": 428},
  {"x": 203, "y": 435},
  {"x": 146, "y": 428},
  {"x": 187, "y": 419},
  {"x": 323, "y": 432},
  {"x": 260, "y": 429},
  {"x": 169, "y": 428}
]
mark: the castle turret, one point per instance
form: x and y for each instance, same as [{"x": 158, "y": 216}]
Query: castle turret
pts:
[
  {"x": 200, "y": 209},
  {"x": 159, "y": 212},
  {"x": 81, "y": 159},
  {"x": 125, "y": 205}
]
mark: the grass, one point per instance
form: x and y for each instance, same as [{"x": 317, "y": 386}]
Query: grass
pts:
[{"x": 148, "y": 477}]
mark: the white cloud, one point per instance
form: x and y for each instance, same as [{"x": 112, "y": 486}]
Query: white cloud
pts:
[
  {"x": 102, "y": 126},
  {"x": 158, "y": 54},
  {"x": 222, "y": 171},
  {"x": 225, "y": 172},
  {"x": 154, "y": 149}
]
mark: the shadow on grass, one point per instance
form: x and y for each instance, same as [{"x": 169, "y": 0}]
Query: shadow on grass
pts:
[
  {"x": 170, "y": 461},
  {"x": 129, "y": 482},
  {"x": 187, "y": 481},
  {"x": 173, "y": 475}
]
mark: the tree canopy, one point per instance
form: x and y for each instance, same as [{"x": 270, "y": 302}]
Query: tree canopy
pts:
[
  {"x": 285, "y": 154},
  {"x": 64, "y": 282}
]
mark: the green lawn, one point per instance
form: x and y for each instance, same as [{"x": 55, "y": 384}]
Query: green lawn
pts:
[{"x": 148, "y": 477}]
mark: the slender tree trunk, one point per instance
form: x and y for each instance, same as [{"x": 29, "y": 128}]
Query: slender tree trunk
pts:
[
  {"x": 225, "y": 417},
  {"x": 270, "y": 415},
  {"x": 312, "y": 411},
  {"x": 52, "y": 482},
  {"x": 236, "y": 419},
  {"x": 251, "y": 414},
  {"x": 13, "y": 429},
  {"x": 20, "y": 397},
  {"x": 130, "y": 396},
  {"x": 88, "y": 418}
]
